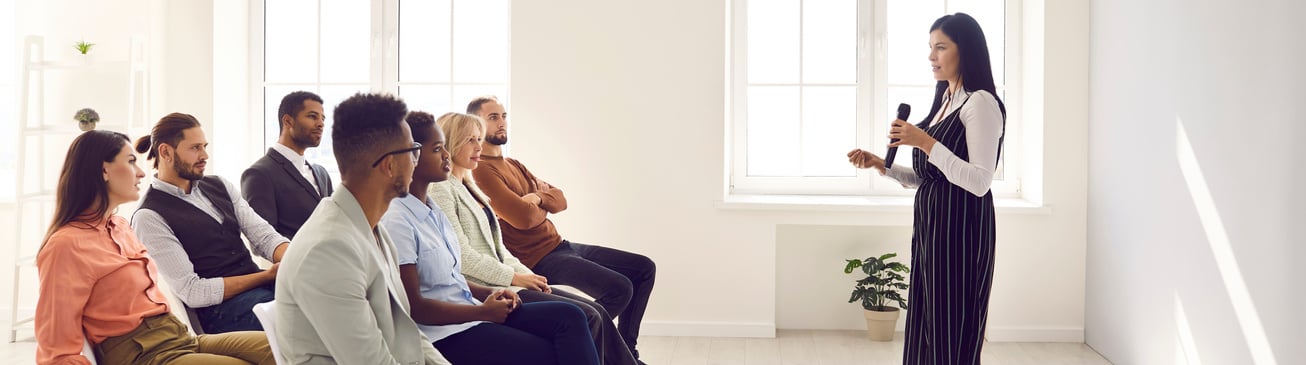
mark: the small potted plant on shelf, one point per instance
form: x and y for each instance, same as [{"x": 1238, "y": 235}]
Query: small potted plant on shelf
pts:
[
  {"x": 877, "y": 291},
  {"x": 86, "y": 118},
  {"x": 84, "y": 49}
]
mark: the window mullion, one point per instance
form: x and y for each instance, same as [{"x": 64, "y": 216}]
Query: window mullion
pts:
[
  {"x": 258, "y": 71},
  {"x": 865, "y": 116},
  {"x": 453, "y": 6},
  {"x": 318, "y": 57},
  {"x": 878, "y": 85},
  {"x": 738, "y": 118},
  {"x": 802, "y": 121},
  {"x": 385, "y": 46}
]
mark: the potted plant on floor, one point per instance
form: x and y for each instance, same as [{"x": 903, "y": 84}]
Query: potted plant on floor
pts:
[{"x": 877, "y": 290}]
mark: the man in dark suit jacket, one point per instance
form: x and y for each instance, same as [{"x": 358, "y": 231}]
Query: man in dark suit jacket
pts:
[{"x": 283, "y": 187}]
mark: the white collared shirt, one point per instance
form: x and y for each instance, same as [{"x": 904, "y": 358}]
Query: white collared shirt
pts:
[
  {"x": 983, "y": 121},
  {"x": 300, "y": 163}
]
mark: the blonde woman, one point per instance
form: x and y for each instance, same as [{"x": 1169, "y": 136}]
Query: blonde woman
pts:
[{"x": 486, "y": 261}]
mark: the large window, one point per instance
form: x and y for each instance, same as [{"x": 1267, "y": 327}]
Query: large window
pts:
[
  {"x": 813, "y": 79},
  {"x": 436, "y": 54}
]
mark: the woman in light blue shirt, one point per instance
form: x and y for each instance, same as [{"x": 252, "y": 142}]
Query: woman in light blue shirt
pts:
[{"x": 469, "y": 323}]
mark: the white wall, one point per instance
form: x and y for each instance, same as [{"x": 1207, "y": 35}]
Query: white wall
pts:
[
  {"x": 186, "y": 70},
  {"x": 63, "y": 22},
  {"x": 622, "y": 104},
  {"x": 8, "y": 101},
  {"x": 1173, "y": 278},
  {"x": 182, "y": 45}
]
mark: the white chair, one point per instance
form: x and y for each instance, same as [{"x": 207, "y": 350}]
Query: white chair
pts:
[
  {"x": 183, "y": 313},
  {"x": 267, "y": 316},
  {"x": 88, "y": 351}
]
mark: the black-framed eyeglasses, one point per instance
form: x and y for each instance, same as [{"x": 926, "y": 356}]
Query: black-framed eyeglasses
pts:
[{"x": 416, "y": 150}]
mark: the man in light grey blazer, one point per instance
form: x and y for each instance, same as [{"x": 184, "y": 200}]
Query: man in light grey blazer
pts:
[{"x": 339, "y": 298}]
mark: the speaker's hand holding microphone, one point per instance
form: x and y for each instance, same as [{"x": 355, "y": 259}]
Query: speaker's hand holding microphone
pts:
[
  {"x": 865, "y": 160},
  {"x": 904, "y": 111},
  {"x": 902, "y": 133}
]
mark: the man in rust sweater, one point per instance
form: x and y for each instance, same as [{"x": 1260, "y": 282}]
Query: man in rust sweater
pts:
[{"x": 619, "y": 281}]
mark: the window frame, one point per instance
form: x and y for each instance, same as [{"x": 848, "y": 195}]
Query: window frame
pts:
[
  {"x": 383, "y": 68},
  {"x": 872, "y": 72}
]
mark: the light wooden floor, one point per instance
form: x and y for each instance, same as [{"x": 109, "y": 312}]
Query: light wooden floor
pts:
[{"x": 789, "y": 347}]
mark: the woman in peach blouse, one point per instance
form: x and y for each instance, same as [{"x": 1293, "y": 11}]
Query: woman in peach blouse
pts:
[{"x": 98, "y": 284}]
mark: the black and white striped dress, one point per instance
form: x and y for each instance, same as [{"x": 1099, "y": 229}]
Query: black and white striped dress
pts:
[{"x": 952, "y": 256}]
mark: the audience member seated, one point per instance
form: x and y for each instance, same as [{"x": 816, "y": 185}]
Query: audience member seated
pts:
[
  {"x": 339, "y": 297},
  {"x": 192, "y": 225},
  {"x": 97, "y": 282},
  {"x": 468, "y": 321},
  {"x": 283, "y": 187},
  {"x": 485, "y": 259},
  {"x": 621, "y": 281}
]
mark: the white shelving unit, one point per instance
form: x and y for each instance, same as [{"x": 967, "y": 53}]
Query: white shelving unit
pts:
[{"x": 41, "y": 138}]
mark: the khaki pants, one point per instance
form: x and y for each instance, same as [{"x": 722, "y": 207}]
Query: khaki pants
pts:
[{"x": 162, "y": 339}]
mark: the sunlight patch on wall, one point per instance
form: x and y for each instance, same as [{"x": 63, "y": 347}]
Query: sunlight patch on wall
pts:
[
  {"x": 1185, "y": 346},
  {"x": 1222, "y": 250}
]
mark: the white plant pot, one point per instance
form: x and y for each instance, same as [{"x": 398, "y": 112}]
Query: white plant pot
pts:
[{"x": 881, "y": 325}]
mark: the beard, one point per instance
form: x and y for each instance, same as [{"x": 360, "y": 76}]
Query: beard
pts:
[
  {"x": 400, "y": 188},
  {"x": 494, "y": 139},
  {"x": 185, "y": 170},
  {"x": 305, "y": 138}
]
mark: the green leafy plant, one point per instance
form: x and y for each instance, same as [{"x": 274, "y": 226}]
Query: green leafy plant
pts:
[
  {"x": 86, "y": 118},
  {"x": 83, "y": 47},
  {"x": 882, "y": 283}
]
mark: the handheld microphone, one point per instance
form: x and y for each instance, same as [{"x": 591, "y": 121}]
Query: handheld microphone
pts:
[{"x": 904, "y": 111}]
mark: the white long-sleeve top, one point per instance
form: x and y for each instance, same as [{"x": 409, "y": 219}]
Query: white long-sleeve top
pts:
[{"x": 983, "y": 121}]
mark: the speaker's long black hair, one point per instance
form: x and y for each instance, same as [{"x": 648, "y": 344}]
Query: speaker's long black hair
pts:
[{"x": 974, "y": 65}]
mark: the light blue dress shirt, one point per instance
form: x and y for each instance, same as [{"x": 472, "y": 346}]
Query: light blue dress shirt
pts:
[{"x": 423, "y": 236}]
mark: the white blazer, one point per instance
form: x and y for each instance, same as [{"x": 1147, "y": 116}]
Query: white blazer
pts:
[{"x": 339, "y": 297}]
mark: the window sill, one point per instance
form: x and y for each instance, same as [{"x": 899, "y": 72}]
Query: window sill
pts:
[{"x": 874, "y": 204}]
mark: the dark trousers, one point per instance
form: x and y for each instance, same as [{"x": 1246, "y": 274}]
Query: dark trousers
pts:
[
  {"x": 620, "y": 281},
  {"x": 545, "y": 333},
  {"x": 235, "y": 314},
  {"x": 611, "y": 347}
]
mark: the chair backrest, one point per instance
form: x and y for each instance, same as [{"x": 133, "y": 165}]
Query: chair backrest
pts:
[
  {"x": 267, "y": 316},
  {"x": 88, "y": 351},
  {"x": 183, "y": 313}
]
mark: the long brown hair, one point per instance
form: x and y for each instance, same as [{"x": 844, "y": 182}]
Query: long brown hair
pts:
[
  {"x": 82, "y": 194},
  {"x": 170, "y": 130}
]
